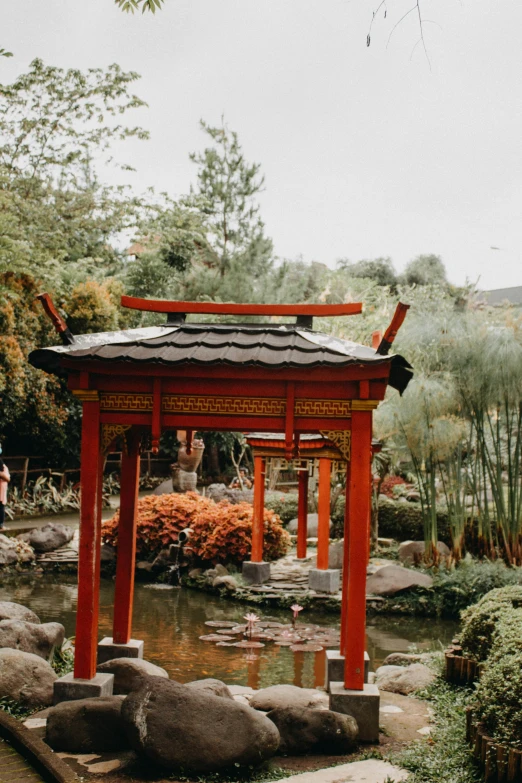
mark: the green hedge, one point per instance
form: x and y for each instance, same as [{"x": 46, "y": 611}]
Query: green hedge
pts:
[
  {"x": 492, "y": 633},
  {"x": 397, "y": 519},
  {"x": 284, "y": 504},
  {"x": 499, "y": 693},
  {"x": 481, "y": 621}
]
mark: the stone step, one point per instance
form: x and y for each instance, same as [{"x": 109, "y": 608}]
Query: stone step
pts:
[{"x": 369, "y": 771}]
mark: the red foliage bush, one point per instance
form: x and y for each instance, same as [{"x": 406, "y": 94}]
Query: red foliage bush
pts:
[
  {"x": 389, "y": 483},
  {"x": 222, "y": 531}
]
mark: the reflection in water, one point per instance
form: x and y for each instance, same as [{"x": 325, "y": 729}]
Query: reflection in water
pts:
[{"x": 170, "y": 622}]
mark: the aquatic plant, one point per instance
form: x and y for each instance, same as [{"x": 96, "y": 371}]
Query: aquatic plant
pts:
[
  {"x": 295, "y": 610},
  {"x": 251, "y": 619}
]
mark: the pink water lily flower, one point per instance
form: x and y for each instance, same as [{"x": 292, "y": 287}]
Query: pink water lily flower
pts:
[
  {"x": 251, "y": 619},
  {"x": 296, "y": 609}
]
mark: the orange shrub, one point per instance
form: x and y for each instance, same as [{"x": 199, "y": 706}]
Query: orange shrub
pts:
[{"x": 222, "y": 531}]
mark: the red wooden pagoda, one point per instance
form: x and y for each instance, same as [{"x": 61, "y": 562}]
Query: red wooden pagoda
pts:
[{"x": 251, "y": 377}]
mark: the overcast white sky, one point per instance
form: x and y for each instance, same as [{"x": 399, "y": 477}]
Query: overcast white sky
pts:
[{"x": 366, "y": 152}]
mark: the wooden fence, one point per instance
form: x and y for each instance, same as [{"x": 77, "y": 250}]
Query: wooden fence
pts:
[
  {"x": 22, "y": 470},
  {"x": 460, "y": 670},
  {"x": 499, "y": 763}
]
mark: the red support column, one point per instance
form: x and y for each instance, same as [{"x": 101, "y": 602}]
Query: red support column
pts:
[
  {"x": 124, "y": 589},
  {"x": 258, "y": 527},
  {"x": 323, "y": 524},
  {"x": 302, "y": 512},
  {"x": 358, "y": 511},
  {"x": 88, "y": 555},
  {"x": 346, "y": 563}
]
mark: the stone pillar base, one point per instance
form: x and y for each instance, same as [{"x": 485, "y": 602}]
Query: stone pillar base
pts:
[
  {"x": 362, "y": 705},
  {"x": 71, "y": 688},
  {"x": 335, "y": 667},
  {"x": 107, "y": 649},
  {"x": 324, "y": 581},
  {"x": 256, "y": 573}
]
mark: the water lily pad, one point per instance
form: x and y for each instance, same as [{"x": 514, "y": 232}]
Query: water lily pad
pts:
[
  {"x": 213, "y": 637},
  {"x": 249, "y": 644},
  {"x": 220, "y": 623},
  {"x": 306, "y": 648}
]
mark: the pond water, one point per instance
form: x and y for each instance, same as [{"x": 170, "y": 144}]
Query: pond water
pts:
[{"x": 170, "y": 622}]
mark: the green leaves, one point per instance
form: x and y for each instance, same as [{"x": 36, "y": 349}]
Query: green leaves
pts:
[
  {"x": 5, "y": 53},
  {"x": 134, "y": 5},
  {"x": 53, "y": 121}
]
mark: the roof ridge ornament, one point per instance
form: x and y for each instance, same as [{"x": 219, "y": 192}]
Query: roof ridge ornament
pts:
[
  {"x": 304, "y": 312},
  {"x": 391, "y": 332}
]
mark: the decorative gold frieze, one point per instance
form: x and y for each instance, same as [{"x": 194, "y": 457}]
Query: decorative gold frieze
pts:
[
  {"x": 120, "y": 401},
  {"x": 335, "y": 409},
  {"x": 342, "y": 439},
  {"x": 225, "y": 406},
  {"x": 110, "y": 432}
]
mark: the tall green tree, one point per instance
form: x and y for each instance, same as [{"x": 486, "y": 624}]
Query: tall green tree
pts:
[
  {"x": 53, "y": 123},
  {"x": 379, "y": 269},
  {"x": 228, "y": 184},
  {"x": 425, "y": 270}
]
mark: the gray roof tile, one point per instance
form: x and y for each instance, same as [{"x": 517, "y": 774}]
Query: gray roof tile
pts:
[{"x": 256, "y": 345}]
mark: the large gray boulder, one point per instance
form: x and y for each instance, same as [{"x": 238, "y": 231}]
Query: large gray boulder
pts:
[
  {"x": 404, "y": 679},
  {"x": 26, "y": 678},
  {"x": 404, "y": 659},
  {"x": 8, "y": 554},
  {"x": 178, "y": 727},
  {"x": 14, "y": 550},
  {"x": 87, "y": 726},
  {"x": 165, "y": 488},
  {"x": 304, "y": 731},
  {"x": 311, "y": 527},
  {"x": 219, "y": 492},
  {"x": 35, "y": 638},
  {"x": 12, "y": 611},
  {"x": 212, "y": 686},
  {"x": 49, "y": 537},
  {"x": 130, "y": 673},
  {"x": 277, "y": 696},
  {"x": 335, "y": 554},
  {"x": 392, "y": 579},
  {"x": 412, "y": 552}
]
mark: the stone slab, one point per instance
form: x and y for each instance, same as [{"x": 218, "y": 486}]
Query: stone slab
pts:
[
  {"x": 256, "y": 573},
  {"x": 70, "y": 688},
  {"x": 362, "y": 705},
  {"x": 107, "y": 649},
  {"x": 335, "y": 667},
  {"x": 326, "y": 580},
  {"x": 369, "y": 771}
]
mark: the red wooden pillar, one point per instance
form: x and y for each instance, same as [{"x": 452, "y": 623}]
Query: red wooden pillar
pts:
[
  {"x": 124, "y": 589},
  {"x": 346, "y": 563},
  {"x": 302, "y": 512},
  {"x": 89, "y": 550},
  {"x": 258, "y": 528},
  {"x": 323, "y": 523},
  {"x": 358, "y": 511}
]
